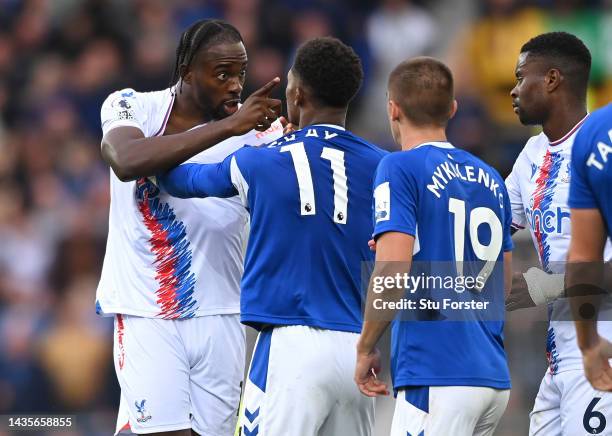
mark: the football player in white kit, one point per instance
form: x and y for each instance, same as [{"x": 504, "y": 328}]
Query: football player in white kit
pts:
[
  {"x": 172, "y": 268},
  {"x": 552, "y": 77}
]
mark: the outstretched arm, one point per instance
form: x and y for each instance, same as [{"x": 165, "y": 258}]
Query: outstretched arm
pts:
[
  {"x": 200, "y": 180},
  {"x": 131, "y": 155}
]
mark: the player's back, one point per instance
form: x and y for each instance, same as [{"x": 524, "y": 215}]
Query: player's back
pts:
[
  {"x": 457, "y": 208},
  {"x": 453, "y": 183},
  {"x": 309, "y": 196}
]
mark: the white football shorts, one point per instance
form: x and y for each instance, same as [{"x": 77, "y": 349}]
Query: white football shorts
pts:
[
  {"x": 179, "y": 374},
  {"x": 300, "y": 383},
  {"x": 567, "y": 405},
  {"x": 448, "y": 410}
]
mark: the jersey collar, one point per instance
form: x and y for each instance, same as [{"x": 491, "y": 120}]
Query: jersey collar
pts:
[
  {"x": 439, "y": 144},
  {"x": 570, "y": 133},
  {"x": 333, "y": 126},
  {"x": 167, "y": 116}
]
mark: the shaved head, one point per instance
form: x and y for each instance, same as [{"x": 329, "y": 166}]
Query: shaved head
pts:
[{"x": 423, "y": 89}]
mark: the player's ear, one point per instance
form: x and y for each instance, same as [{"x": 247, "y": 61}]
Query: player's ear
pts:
[
  {"x": 393, "y": 110},
  {"x": 298, "y": 97},
  {"x": 453, "y": 110},
  {"x": 553, "y": 79}
]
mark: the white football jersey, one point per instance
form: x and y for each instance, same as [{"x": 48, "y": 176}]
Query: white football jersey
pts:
[
  {"x": 168, "y": 257},
  {"x": 538, "y": 187}
]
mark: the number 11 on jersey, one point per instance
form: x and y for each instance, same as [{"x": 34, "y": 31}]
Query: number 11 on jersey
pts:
[{"x": 304, "y": 179}]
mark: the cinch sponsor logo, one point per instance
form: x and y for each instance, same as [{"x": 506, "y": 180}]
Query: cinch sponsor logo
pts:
[{"x": 549, "y": 221}]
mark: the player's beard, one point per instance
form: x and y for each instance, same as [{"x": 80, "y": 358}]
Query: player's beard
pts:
[
  {"x": 220, "y": 112},
  {"x": 532, "y": 110},
  {"x": 528, "y": 118},
  {"x": 211, "y": 110}
]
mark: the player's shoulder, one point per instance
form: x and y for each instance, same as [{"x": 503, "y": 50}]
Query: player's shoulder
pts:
[
  {"x": 395, "y": 159},
  {"x": 366, "y": 145},
  {"x": 401, "y": 164},
  {"x": 469, "y": 159},
  {"x": 537, "y": 143},
  {"x": 129, "y": 97},
  {"x": 427, "y": 154},
  {"x": 602, "y": 114},
  {"x": 488, "y": 168},
  {"x": 147, "y": 111},
  {"x": 596, "y": 128},
  {"x": 533, "y": 150},
  {"x": 417, "y": 164},
  {"x": 598, "y": 123},
  {"x": 322, "y": 135},
  {"x": 250, "y": 158},
  {"x": 122, "y": 99},
  {"x": 408, "y": 159}
]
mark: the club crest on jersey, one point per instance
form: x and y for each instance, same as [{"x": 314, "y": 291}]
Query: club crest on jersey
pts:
[
  {"x": 382, "y": 201},
  {"x": 140, "y": 408},
  {"x": 124, "y": 110}
]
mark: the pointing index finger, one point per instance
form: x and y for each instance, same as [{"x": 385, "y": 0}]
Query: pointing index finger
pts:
[{"x": 265, "y": 90}]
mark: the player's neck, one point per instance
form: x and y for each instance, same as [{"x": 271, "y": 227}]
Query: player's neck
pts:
[
  {"x": 187, "y": 111},
  {"x": 323, "y": 116},
  {"x": 563, "y": 120},
  {"x": 411, "y": 136}
]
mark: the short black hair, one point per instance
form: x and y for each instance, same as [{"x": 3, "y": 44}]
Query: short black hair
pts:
[
  {"x": 330, "y": 69},
  {"x": 565, "y": 52},
  {"x": 423, "y": 89},
  {"x": 199, "y": 35}
]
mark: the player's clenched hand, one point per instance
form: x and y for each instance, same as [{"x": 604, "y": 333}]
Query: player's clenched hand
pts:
[
  {"x": 597, "y": 365},
  {"x": 519, "y": 297},
  {"x": 258, "y": 112},
  {"x": 368, "y": 365}
]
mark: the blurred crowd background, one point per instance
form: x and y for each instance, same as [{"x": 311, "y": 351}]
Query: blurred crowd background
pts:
[{"x": 59, "y": 59}]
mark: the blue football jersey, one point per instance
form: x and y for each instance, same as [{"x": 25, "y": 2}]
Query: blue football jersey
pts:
[
  {"x": 591, "y": 170},
  {"x": 458, "y": 209},
  {"x": 309, "y": 197}
]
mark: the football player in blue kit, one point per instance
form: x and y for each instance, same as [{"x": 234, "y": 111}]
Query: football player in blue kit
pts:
[
  {"x": 437, "y": 204},
  {"x": 309, "y": 198},
  {"x": 590, "y": 200}
]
